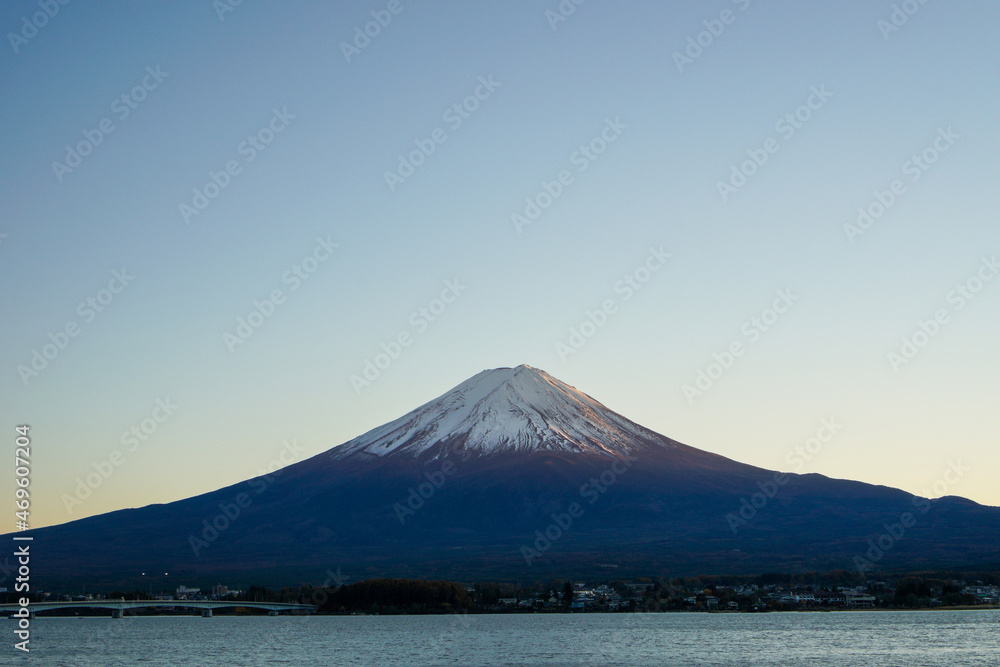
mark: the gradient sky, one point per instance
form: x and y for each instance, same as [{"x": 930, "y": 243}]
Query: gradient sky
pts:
[{"x": 680, "y": 131}]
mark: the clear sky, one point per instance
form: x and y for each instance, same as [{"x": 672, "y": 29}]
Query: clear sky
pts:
[{"x": 676, "y": 169}]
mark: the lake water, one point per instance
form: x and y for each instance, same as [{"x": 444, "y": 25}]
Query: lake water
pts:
[{"x": 837, "y": 639}]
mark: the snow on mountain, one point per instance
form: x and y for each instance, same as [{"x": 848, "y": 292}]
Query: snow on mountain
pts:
[{"x": 520, "y": 409}]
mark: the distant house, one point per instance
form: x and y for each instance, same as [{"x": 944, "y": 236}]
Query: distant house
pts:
[
  {"x": 183, "y": 592},
  {"x": 831, "y": 599},
  {"x": 859, "y": 600},
  {"x": 638, "y": 589}
]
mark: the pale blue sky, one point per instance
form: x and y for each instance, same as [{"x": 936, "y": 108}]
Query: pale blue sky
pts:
[{"x": 654, "y": 185}]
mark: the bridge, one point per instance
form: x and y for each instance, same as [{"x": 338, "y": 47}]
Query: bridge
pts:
[{"x": 118, "y": 607}]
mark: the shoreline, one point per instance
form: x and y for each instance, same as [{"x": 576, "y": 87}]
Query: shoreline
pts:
[{"x": 549, "y": 612}]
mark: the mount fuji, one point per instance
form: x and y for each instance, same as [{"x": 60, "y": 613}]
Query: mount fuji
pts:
[{"x": 516, "y": 475}]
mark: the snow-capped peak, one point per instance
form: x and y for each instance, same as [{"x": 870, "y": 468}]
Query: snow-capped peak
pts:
[{"x": 520, "y": 409}]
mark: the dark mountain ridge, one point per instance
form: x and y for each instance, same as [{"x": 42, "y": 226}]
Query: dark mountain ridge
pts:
[{"x": 515, "y": 475}]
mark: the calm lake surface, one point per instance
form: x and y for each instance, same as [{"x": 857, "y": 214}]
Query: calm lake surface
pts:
[{"x": 841, "y": 639}]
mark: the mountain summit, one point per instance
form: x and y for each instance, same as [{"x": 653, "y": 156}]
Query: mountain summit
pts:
[{"x": 502, "y": 410}]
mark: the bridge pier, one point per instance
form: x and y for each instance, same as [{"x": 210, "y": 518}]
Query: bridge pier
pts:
[
  {"x": 272, "y": 613},
  {"x": 206, "y": 613},
  {"x": 117, "y": 613}
]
